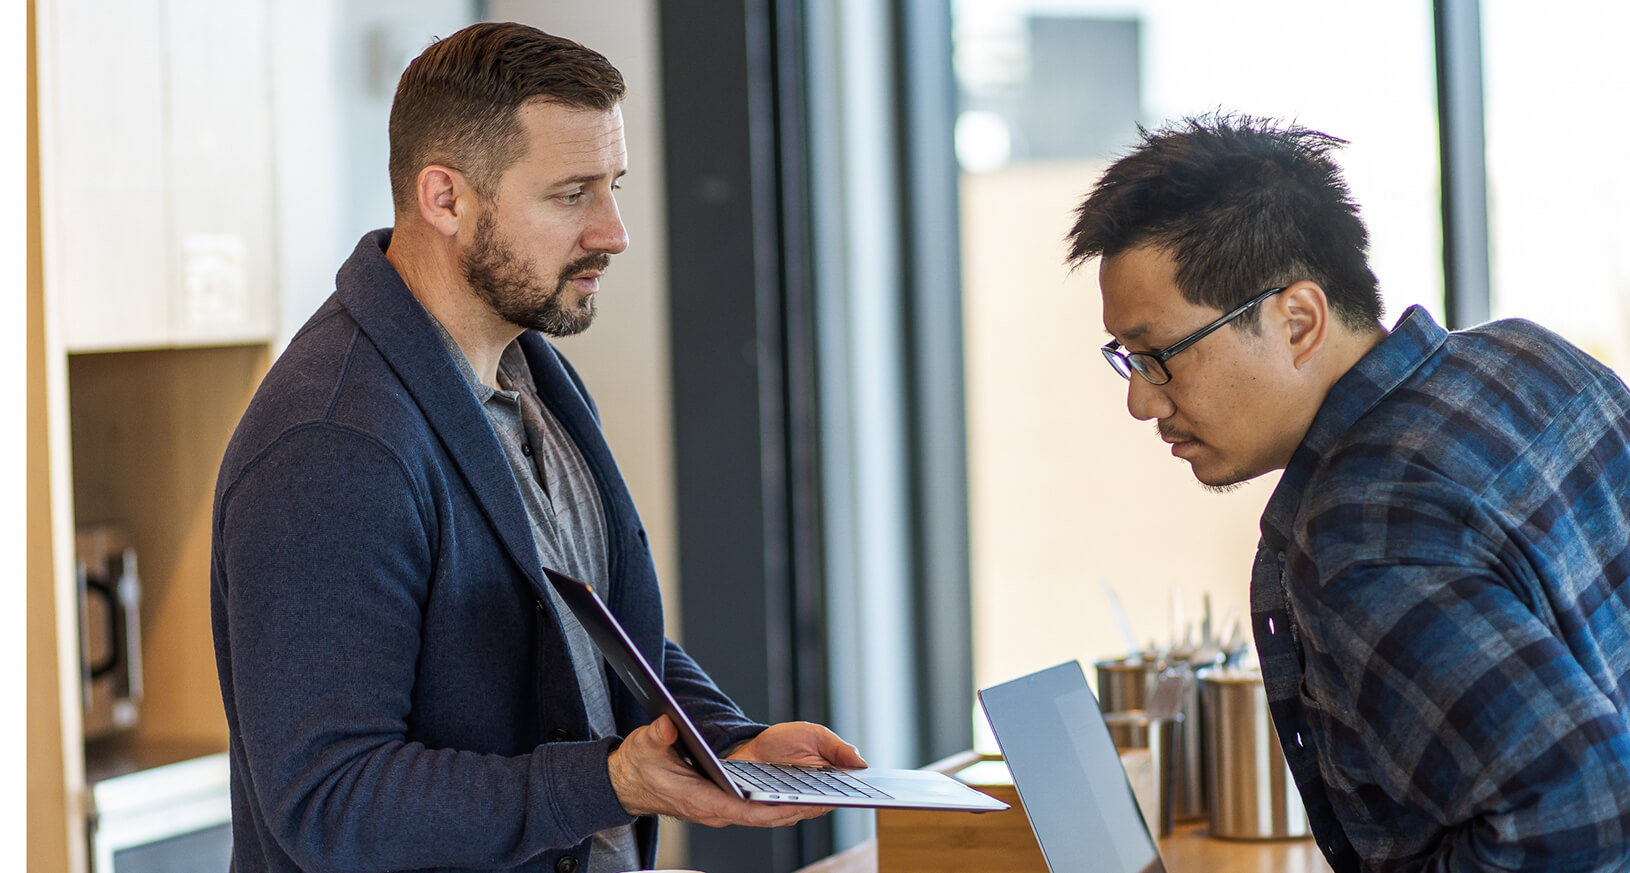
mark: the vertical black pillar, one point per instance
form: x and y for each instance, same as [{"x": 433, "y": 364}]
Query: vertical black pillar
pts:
[
  {"x": 743, "y": 383},
  {"x": 747, "y": 365},
  {"x": 930, "y": 223}
]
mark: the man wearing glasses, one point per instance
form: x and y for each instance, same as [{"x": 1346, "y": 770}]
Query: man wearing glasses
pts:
[{"x": 1441, "y": 593}]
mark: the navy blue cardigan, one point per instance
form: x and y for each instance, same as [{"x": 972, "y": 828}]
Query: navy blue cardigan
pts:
[{"x": 398, "y": 688}]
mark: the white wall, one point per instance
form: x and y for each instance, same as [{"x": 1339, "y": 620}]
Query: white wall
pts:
[{"x": 334, "y": 68}]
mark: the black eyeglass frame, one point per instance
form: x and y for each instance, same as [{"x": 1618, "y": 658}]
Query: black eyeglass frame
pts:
[{"x": 1123, "y": 363}]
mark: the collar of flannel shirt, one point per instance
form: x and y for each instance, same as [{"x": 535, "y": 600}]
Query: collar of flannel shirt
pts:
[{"x": 1414, "y": 339}]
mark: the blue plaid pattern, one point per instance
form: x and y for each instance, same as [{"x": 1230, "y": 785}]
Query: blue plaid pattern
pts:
[{"x": 1441, "y": 604}]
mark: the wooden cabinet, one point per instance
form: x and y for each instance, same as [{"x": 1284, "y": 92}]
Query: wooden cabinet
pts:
[
  {"x": 150, "y": 305},
  {"x": 156, "y": 162},
  {"x": 135, "y": 441},
  {"x": 146, "y": 434}
]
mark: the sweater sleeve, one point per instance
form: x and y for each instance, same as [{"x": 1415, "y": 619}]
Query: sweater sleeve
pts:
[{"x": 722, "y": 723}]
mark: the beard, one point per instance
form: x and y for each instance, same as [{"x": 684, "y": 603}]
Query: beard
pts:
[
  {"x": 1223, "y": 483},
  {"x": 511, "y": 285}
]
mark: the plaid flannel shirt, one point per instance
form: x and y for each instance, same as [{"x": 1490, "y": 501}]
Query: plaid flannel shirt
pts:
[{"x": 1441, "y": 604}]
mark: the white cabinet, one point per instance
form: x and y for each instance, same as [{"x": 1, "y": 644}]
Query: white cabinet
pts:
[{"x": 156, "y": 166}]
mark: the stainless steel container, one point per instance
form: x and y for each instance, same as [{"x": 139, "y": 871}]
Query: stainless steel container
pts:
[
  {"x": 1124, "y": 685},
  {"x": 1252, "y": 796},
  {"x": 1136, "y": 730}
]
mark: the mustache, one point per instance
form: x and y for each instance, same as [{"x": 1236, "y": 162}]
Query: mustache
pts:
[
  {"x": 1172, "y": 433},
  {"x": 597, "y": 262}
]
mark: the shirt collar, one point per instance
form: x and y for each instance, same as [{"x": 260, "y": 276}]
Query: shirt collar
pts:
[
  {"x": 1413, "y": 341},
  {"x": 483, "y": 392}
]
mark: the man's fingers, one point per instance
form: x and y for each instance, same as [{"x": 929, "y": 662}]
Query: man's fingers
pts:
[
  {"x": 764, "y": 815},
  {"x": 650, "y": 778},
  {"x": 844, "y": 754},
  {"x": 663, "y": 730}
]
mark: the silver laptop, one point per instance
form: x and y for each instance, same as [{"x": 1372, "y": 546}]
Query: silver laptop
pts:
[
  {"x": 1068, "y": 774},
  {"x": 752, "y": 780}
]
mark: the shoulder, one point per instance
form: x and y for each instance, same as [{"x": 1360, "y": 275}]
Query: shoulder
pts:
[
  {"x": 330, "y": 385},
  {"x": 1489, "y": 401},
  {"x": 1518, "y": 359},
  {"x": 1505, "y": 430}
]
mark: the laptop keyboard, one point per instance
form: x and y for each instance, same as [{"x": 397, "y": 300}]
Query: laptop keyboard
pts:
[{"x": 785, "y": 779}]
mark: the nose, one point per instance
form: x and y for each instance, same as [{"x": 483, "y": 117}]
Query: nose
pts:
[
  {"x": 606, "y": 232},
  {"x": 1146, "y": 401}
]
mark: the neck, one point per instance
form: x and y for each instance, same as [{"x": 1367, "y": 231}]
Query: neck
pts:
[
  {"x": 1350, "y": 347},
  {"x": 428, "y": 265},
  {"x": 1341, "y": 349}
]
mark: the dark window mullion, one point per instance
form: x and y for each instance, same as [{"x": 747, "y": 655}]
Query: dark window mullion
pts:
[
  {"x": 930, "y": 230},
  {"x": 1458, "y": 41}
]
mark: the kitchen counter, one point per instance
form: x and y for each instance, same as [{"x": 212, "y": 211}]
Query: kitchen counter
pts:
[{"x": 1189, "y": 849}]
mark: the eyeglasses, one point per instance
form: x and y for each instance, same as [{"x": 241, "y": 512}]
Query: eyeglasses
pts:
[{"x": 1151, "y": 365}]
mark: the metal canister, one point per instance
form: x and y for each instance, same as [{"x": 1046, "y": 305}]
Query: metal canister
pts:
[
  {"x": 1136, "y": 730},
  {"x": 1124, "y": 684},
  {"x": 1252, "y": 796}
]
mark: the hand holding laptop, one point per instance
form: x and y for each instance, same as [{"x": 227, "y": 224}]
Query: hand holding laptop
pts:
[
  {"x": 800, "y": 742},
  {"x": 781, "y": 778},
  {"x": 650, "y": 777}
]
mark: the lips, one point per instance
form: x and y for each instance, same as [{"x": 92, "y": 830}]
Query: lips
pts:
[
  {"x": 584, "y": 273},
  {"x": 1182, "y": 443}
]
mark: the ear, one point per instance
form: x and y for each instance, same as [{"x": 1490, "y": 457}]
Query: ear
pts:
[
  {"x": 1305, "y": 314},
  {"x": 445, "y": 197}
]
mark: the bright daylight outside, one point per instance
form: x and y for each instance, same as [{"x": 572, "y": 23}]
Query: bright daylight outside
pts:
[{"x": 1074, "y": 503}]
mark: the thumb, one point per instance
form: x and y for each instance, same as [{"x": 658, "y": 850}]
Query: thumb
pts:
[
  {"x": 846, "y": 755},
  {"x": 663, "y": 730},
  {"x": 838, "y": 751}
]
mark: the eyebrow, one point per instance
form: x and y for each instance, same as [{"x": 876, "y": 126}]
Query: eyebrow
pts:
[
  {"x": 590, "y": 177},
  {"x": 1133, "y": 333}
]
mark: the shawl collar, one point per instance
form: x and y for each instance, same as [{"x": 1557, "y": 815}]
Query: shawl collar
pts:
[{"x": 399, "y": 327}]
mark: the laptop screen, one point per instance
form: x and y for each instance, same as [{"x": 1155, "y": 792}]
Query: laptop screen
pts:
[{"x": 1068, "y": 773}]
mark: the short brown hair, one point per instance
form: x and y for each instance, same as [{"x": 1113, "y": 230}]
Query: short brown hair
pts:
[{"x": 457, "y": 103}]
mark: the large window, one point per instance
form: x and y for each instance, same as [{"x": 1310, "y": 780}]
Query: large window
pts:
[
  {"x": 1060, "y": 476},
  {"x": 816, "y": 361},
  {"x": 1556, "y": 80}
]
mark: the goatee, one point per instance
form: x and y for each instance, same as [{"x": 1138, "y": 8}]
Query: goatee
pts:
[{"x": 511, "y": 285}]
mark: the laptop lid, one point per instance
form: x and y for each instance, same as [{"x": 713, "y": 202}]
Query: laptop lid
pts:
[
  {"x": 909, "y": 789},
  {"x": 1068, "y": 774}
]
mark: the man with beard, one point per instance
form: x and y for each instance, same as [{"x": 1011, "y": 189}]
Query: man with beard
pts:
[
  {"x": 1441, "y": 594},
  {"x": 403, "y": 687}
]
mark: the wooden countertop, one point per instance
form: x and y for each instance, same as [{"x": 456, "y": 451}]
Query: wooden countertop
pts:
[
  {"x": 1189, "y": 849},
  {"x": 1192, "y": 849},
  {"x": 939, "y": 841}
]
